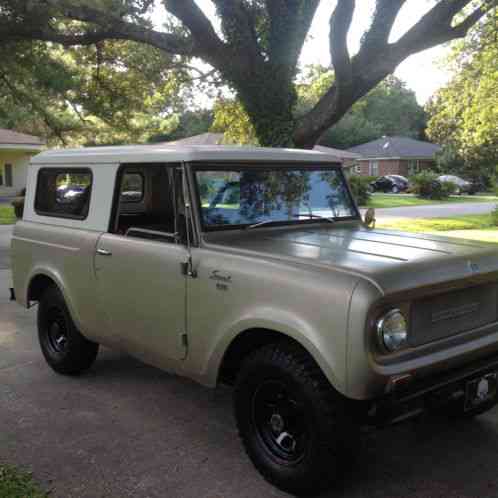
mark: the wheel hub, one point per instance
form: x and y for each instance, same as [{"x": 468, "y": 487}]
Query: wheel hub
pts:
[
  {"x": 277, "y": 423},
  {"x": 57, "y": 336}
]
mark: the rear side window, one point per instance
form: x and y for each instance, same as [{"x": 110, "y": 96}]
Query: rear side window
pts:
[{"x": 64, "y": 193}]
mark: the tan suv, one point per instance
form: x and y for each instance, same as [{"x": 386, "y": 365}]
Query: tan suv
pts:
[{"x": 252, "y": 267}]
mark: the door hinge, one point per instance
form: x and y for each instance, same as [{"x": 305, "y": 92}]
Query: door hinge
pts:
[
  {"x": 188, "y": 268},
  {"x": 184, "y": 344}
]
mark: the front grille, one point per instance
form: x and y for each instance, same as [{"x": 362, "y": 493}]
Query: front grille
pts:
[{"x": 454, "y": 312}]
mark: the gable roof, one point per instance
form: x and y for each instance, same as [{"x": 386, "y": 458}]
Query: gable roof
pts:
[
  {"x": 396, "y": 147},
  {"x": 339, "y": 153},
  {"x": 11, "y": 137}
]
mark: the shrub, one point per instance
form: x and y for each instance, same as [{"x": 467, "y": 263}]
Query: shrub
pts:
[
  {"x": 427, "y": 186},
  {"x": 494, "y": 217},
  {"x": 18, "y": 204},
  {"x": 359, "y": 187}
]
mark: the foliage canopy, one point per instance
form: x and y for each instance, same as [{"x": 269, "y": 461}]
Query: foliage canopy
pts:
[{"x": 255, "y": 51}]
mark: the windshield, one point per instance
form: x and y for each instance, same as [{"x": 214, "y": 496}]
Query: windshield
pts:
[{"x": 259, "y": 196}]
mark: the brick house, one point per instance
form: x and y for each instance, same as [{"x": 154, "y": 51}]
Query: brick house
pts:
[{"x": 394, "y": 156}]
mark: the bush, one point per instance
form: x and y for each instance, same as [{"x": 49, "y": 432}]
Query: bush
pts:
[
  {"x": 494, "y": 217},
  {"x": 359, "y": 186},
  {"x": 427, "y": 186}
]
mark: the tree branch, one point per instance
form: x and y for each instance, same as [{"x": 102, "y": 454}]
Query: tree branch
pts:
[
  {"x": 238, "y": 27},
  {"x": 290, "y": 21},
  {"x": 386, "y": 12},
  {"x": 197, "y": 23},
  {"x": 33, "y": 25},
  {"x": 340, "y": 23},
  {"x": 369, "y": 66}
]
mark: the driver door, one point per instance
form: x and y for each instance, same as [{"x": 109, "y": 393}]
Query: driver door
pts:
[{"x": 141, "y": 285}]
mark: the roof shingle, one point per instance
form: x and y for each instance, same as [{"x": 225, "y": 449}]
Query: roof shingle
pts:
[
  {"x": 10, "y": 137},
  {"x": 402, "y": 147}
]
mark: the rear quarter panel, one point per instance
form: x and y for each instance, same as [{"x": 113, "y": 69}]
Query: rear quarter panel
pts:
[{"x": 63, "y": 249}]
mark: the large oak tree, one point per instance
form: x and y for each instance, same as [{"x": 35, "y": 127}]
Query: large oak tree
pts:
[{"x": 258, "y": 49}]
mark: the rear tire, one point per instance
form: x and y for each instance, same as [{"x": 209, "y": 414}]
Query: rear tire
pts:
[
  {"x": 291, "y": 421},
  {"x": 395, "y": 189},
  {"x": 62, "y": 344}
]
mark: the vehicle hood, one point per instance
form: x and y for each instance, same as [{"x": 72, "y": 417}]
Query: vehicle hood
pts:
[{"x": 392, "y": 260}]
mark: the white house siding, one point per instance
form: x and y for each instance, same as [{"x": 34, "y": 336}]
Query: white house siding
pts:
[{"x": 20, "y": 163}]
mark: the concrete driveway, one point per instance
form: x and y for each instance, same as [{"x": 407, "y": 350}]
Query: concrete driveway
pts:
[
  {"x": 128, "y": 430},
  {"x": 5, "y": 233}
]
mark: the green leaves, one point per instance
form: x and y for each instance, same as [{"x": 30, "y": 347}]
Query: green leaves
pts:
[
  {"x": 464, "y": 114},
  {"x": 113, "y": 92}
]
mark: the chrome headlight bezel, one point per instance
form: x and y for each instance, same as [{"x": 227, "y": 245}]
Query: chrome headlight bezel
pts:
[{"x": 394, "y": 339}]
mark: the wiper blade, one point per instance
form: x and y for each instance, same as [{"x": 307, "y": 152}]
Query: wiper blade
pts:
[
  {"x": 261, "y": 223},
  {"x": 317, "y": 216},
  {"x": 311, "y": 215}
]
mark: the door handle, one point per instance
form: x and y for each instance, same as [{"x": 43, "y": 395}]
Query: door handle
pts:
[{"x": 104, "y": 252}]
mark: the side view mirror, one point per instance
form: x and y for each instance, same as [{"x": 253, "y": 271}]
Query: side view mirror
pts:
[{"x": 370, "y": 220}]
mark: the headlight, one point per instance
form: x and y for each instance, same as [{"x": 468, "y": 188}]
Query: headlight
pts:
[{"x": 392, "y": 330}]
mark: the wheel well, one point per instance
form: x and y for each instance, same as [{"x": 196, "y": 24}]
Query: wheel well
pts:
[
  {"x": 37, "y": 286},
  {"x": 243, "y": 345}
]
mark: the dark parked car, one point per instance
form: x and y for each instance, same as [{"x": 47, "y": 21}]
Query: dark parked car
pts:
[
  {"x": 461, "y": 186},
  {"x": 390, "y": 183}
]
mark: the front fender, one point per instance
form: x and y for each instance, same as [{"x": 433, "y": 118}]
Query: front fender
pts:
[{"x": 331, "y": 359}]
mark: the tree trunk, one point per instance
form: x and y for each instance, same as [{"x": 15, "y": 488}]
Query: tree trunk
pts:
[{"x": 269, "y": 100}]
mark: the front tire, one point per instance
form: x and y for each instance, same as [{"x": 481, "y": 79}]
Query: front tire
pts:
[
  {"x": 291, "y": 421},
  {"x": 62, "y": 344},
  {"x": 395, "y": 189}
]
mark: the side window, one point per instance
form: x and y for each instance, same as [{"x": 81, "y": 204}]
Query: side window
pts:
[
  {"x": 63, "y": 193},
  {"x": 150, "y": 203}
]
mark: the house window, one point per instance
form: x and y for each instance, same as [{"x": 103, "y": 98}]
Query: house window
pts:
[
  {"x": 373, "y": 168},
  {"x": 413, "y": 167},
  {"x": 9, "y": 181},
  {"x": 64, "y": 193}
]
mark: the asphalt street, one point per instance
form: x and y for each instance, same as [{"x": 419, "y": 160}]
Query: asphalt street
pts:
[
  {"x": 128, "y": 430},
  {"x": 436, "y": 210}
]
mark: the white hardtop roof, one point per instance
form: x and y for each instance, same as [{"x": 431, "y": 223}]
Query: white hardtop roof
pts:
[{"x": 176, "y": 153}]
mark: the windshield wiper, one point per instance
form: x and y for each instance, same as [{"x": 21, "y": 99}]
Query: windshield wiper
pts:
[
  {"x": 312, "y": 215},
  {"x": 261, "y": 223}
]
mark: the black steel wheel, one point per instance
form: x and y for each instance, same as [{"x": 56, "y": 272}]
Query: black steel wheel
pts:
[
  {"x": 281, "y": 422},
  {"x": 292, "y": 423},
  {"x": 62, "y": 345}
]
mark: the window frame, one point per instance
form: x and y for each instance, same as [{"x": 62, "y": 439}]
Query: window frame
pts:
[
  {"x": 287, "y": 165},
  {"x": 63, "y": 170},
  {"x": 116, "y": 200}
]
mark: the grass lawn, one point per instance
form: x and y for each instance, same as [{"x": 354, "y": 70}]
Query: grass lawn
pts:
[
  {"x": 476, "y": 227},
  {"x": 17, "y": 484},
  {"x": 402, "y": 200},
  {"x": 7, "y": 217}
]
